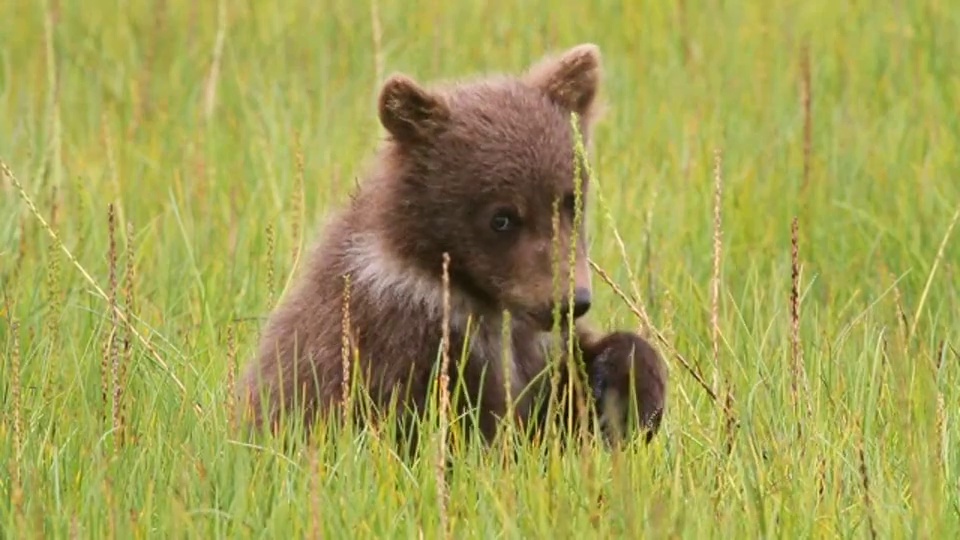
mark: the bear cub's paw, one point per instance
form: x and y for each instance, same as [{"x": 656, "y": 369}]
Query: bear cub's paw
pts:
[{"x": 622, "y": 365}]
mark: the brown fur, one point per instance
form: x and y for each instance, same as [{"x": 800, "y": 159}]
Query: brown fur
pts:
[{"x": 459, "y": 158}]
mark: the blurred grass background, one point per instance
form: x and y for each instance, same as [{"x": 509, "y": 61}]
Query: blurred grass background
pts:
[{"x": 223, "y": 132}]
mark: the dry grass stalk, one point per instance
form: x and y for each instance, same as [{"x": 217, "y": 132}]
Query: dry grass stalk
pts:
[
  {"x": 582, "y": 165},
  {"x": 298, "y": 215},
  {"x": 507, "y": 367},
  {"x": 645, "y": 323},
  {"x": 799, "y": 372},
  {"x": 581, "y": 168},
  {"x": 130, "y": 301},
  {"x": 53, "y": 274},
  {"x": 715, "y": 282},
  {"x": 605, "y": 277},
  {"x": 865, "y": 478},
  {"x": 112, "y": 356},
  {"x": 92, "y": 282},
  {"x": 795, "y": 298},
  {"x": 444, "y": 384},
  {"x": 129, "y": 290},
  {"x": 108, "y": 342},
  {"x": 555, "y": 372},
  {"x": 345, "y": 349},
  {"x": 730, "y": 422},
  {"x": 231, "y": 376},
  {"x": 271, "y": 247}
]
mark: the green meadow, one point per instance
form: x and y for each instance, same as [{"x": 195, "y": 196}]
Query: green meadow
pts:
[{"x": 167, "y": 162}]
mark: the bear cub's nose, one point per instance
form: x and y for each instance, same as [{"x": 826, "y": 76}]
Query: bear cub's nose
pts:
[{"x": 581, "y": 302}]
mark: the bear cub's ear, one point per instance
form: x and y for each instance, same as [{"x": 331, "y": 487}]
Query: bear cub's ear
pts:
[
  {"x": 410, "y": 113},
  {"x": 571, "y": 79}
]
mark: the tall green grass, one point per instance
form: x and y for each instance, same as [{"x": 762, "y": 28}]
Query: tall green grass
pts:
[{"x": 221, "y": 160}]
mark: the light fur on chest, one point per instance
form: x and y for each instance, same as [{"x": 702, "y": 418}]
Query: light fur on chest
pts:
[
  {"x": 385, "y": 281},
  {"x": 490, "y": 343}
]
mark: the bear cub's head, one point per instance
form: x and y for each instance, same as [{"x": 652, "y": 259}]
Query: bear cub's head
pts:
[{"x": 485, "y": 171}]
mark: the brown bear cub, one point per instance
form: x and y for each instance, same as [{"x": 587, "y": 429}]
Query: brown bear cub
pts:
[{"x": 485, "y": 172}]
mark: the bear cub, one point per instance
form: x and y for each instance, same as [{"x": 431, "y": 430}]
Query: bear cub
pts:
[{"x": 484, "y": 171}]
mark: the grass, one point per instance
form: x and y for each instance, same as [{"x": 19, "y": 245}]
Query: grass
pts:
[{"x": 222, "y": 132}]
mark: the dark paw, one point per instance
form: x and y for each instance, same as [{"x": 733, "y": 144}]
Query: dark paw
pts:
[{"x": 628, "y": 380}]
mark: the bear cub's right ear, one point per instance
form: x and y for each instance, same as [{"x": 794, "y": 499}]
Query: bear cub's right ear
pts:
[
  {"x": 570, "y": 79},
  {"x": 409, "y": 112}
]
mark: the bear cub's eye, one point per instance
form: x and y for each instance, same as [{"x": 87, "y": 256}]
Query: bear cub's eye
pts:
[{"x": 503, "y": 220}]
